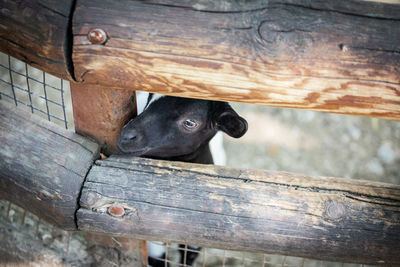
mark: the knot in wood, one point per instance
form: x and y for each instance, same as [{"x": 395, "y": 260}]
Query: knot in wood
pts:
[
  {"x": 97, "y": 36},
  {"x": 116, "y": 210},
  {"x": 90, "y": 199},
  {"x": 335, "y": 210}
]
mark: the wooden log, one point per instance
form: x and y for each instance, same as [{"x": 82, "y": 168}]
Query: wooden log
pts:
[
  {"x": 42, "y": 166},
  {"x": 271, "y": 212},
  {"x": 101, "y": 113},
  {"x": 39, "y": 33},
  {"x": 337, "y": 56}
]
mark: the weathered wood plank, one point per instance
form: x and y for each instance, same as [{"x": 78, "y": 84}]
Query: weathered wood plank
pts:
[
  {"x": 275, "y": 212},
  {"x": 101, "y": 113},
  {"x": 335, "y": 56},
  {"x": 42, "y": 166},
  {"x": 38, "y": 32}
]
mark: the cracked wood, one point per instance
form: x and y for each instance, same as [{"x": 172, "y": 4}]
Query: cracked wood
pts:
[
  {"x": 338, "y": 56},
  {"x": 252, "y": 210},
  {"x": 42, "y": 166}
]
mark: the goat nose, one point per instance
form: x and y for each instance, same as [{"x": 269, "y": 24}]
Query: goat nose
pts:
[{"x": 129, "y": 136}]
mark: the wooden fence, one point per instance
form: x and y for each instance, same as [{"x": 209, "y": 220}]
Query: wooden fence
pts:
[{"x": 330, "y": 56}]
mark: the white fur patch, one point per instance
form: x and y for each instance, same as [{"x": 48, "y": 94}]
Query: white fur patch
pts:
[
  {"x": 154, "y": 98},
  {"x": 141, "y": 100},
  {"x": 155, "y": 249},
  {"x": 217, "y": 149}
]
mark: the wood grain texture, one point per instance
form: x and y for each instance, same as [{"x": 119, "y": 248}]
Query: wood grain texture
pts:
[
  {"x": 252, "y": 210},
  {"x": 335, "y": 56},
  {"x": 38, "y": 32},
  {"x": 100, "y": 112},
  {"x": 42, "y": 166}
]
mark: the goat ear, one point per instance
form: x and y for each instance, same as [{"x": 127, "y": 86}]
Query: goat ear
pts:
[{"x": 231, "y": 123}]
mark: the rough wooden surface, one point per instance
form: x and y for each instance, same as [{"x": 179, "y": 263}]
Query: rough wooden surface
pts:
[
  {"x": 101, "y": 113},
  {"x": 275, "y": 212},
  {"x": 38, "y": 32},
  {"x": 335, "y": 56},
  {"x": 42, "y": 166}
]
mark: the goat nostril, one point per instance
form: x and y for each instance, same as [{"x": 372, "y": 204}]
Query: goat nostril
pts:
[{"x": 129, "y": 137}]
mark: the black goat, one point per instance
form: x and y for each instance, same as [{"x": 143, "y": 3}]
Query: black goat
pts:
[{"x": 179, "y": 129}]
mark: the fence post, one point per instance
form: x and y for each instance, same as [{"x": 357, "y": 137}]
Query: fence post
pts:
[{"x": 100, "y": 113}]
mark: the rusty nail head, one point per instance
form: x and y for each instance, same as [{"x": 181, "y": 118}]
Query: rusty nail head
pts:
[
  {"x": 97, "y": 36},
  {"x": 116, "y": 210}
]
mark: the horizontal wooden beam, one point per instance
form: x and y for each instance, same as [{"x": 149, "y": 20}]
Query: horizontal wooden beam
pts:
[
  {"x": 338, "y": 56},
  {"x": 38, "y": 32},
  {"x": 272, "y": 212},
  {"x": 42, "y": 166}
]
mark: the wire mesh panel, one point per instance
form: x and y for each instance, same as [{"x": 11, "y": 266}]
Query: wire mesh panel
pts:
[
  {"x": 40, "y": 92},
  {"x": 210, "y": 257}
]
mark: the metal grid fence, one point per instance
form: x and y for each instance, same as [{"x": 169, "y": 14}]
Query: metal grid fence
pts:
[
  {"x": 226, "y": 258},
  {"x": 40, "y": 92},
  {"x": 210, "y": 257},
  {"x": 49, "y": 97}
]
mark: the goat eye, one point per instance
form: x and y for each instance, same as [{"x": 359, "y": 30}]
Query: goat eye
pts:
[{"x": 190, "y": 124}]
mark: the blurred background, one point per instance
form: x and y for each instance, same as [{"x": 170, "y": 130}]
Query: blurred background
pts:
[{"x": 317, "y": 143}]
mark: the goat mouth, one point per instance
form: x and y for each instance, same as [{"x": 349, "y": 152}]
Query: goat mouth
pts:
[{"x": 133, "y": 152}]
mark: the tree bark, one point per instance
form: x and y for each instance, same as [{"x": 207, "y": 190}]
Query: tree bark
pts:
[{"x": 270, "y": 212}]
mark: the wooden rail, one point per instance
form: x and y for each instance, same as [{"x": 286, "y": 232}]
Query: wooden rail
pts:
[
  {"x": 337, "y": 56},
  {"x": 43, "y": 169},
  {"x": 275, "y": 212}
]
